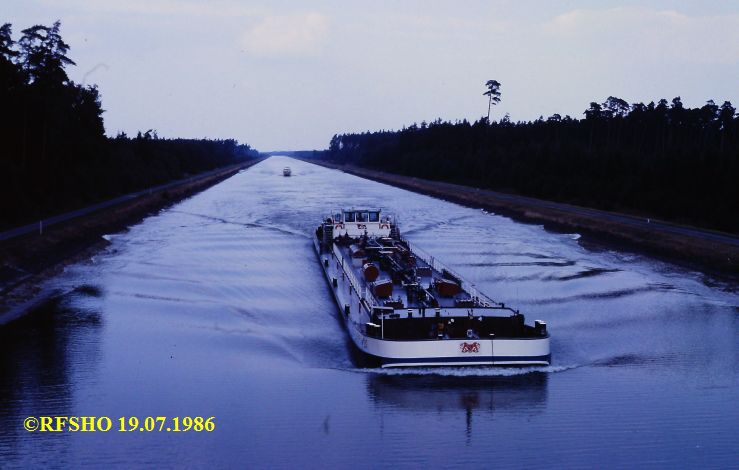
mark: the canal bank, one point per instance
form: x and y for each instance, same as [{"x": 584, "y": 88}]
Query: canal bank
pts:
[
  {"x": 705, "y": 249},
  {"x": 33, "y": 253}
]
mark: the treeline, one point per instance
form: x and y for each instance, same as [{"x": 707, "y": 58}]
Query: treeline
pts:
[
  {"x": 662, "y": 160},
  {"x": 54, "y": 154}
]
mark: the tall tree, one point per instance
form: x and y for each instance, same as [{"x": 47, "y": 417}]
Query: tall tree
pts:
[
  {"x": 9, "y": 72},
  {"x": 725, "y": 118},
  {"x": 44, "y": 54},
  {"x": 6, "y": 42},
  {"x": 493, "y": 94},
  {"x": 616, "y": 107}
]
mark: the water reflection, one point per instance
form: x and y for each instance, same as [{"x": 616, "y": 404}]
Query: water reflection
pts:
[
  {"x": 473, "y": 395},
  {"x": 42, "y": 356}
]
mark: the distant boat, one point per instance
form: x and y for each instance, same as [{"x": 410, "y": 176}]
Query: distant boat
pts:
[
  {"x": 405, "y": 308},
  {"x": 286, "y": 171}
]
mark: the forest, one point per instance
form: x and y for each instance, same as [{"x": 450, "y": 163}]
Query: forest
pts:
[
  {"x": 660, "y": 159},
  {"x": 54, "y": 153}
]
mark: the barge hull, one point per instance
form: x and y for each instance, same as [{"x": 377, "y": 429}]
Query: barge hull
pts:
[{"x": 354, "y": 310}]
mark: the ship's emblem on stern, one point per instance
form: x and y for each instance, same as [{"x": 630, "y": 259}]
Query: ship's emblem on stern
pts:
[{"x": 470, "y": 347}]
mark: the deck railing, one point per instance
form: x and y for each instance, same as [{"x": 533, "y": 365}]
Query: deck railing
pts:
[{"x": 363, "y": 292}]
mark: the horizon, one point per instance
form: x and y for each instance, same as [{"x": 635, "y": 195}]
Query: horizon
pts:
[{"x": 279, "y": 76}]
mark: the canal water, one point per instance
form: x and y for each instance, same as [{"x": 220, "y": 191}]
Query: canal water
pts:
[{"x": 217, "y": 307}]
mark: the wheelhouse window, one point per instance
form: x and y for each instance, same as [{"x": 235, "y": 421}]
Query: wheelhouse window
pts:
[
  {"x": 349, "y": 217},
  {"x": 374, "y": 217},
  {"x": 337, "y": 217},
  {"x": 361, "y": 217}
]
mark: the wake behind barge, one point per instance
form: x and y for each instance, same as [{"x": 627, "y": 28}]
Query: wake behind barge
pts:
[{"x": 404, "y": 308}]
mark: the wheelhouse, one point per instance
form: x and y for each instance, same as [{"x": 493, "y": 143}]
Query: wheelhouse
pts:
[{"x": 360, "y": 222}]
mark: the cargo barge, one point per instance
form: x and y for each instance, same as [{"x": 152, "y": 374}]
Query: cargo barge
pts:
[{"x": 403, "y": 307}]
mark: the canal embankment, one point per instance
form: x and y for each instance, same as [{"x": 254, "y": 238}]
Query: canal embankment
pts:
[
  {"x": 705, "y": 249},
  {"x": 35, "y": 252}
]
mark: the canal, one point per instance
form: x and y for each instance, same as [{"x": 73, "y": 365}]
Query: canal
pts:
[{"x": 216, "y": 307}]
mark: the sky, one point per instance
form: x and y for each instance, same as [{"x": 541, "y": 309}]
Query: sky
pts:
[{"x": 287, "y": 75}]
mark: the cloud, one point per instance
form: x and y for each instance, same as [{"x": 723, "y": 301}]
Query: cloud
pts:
[
  {"x": 287, "y": 36},
  {"x": 217, "y": 8},
  {"x": 651, "y": 34}
]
